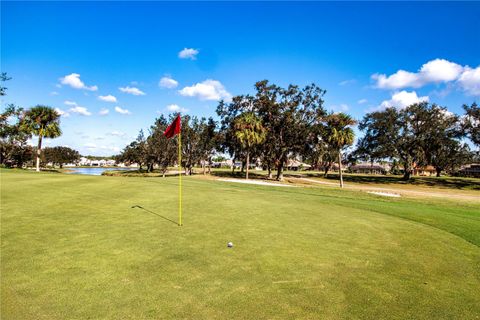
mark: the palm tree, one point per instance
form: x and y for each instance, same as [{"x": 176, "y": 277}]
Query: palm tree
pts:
[
  {"x": 42, "y": 121},
  {"x": 339, "y": 134},
  {"x": 249, "y": 132}
]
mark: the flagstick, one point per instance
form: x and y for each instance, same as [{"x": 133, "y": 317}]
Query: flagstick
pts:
[{"x": 180, "y": 178}]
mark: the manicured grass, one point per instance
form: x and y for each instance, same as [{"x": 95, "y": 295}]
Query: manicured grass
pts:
[
  {"x": 446, "y": 182},
  {"x": 459, "y": 183},
  {"x": 74, "y": 248}
]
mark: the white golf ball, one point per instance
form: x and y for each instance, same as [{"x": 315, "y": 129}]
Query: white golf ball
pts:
[{"x": 230, "y": 244}]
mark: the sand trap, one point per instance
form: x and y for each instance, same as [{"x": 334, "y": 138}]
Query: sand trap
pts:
[
  {"x": 262, "y": 183},
  {"x": 385, "y": 194}
]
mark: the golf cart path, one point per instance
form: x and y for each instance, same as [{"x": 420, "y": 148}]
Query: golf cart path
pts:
[
  {"x": 262, "y": 183},
  {"x": 450, "y": 194}
]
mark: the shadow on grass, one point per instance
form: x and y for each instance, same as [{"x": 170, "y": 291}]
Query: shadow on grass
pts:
[
  {"x": 238, "y": 174},
  {"x": 444, "y": 182},
  {"x": 159, "y": 215}
]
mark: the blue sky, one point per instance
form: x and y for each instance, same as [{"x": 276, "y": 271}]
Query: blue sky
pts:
[{"x": 68, "y": 55}]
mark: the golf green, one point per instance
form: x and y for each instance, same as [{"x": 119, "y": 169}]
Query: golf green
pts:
[{"x": 96, "y": 247}]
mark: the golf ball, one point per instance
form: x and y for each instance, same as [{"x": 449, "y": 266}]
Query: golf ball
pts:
[{"x": 230, "y": 244}]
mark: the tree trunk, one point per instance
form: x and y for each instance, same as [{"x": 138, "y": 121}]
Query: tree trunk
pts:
[
  {"x": 248, "y": 163},
  {"x": 269, "y": 168},
  {"x": 327, "y": 168},
  {"x": 340, "y": 168},
  {"x": 406, "y": 174},
  {"x": 280, "y": 171},
  {"x": 39, "y": 150},
  {"x": 439, "y": 171}
]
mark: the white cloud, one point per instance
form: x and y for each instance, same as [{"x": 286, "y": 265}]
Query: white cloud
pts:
[
  {"x": 440, "y": 70},
  {"x": 132, "y": 90},
  {"x": 188, "y": 53},
  {"x": 70, "y": 103},
  {"x": 108, "y": 98},
  {"x": 73, "y": 80},
  {"x": 109, "y": 148},
  {"x": 116, "y": 133},
  {"x": 168, "y": 82},
  {"x": 121, "y": 111},
  {"x": 80, "y": 110},
  {"x": 54, "y": 93},
  {"x": 447, "y": 113},
  {"x": 400, "y": 79},
  {"x": 434, "y": 71},
  {"x": 76, "y": 108},
  {"x": 362, "y": 101},
  {"x": 90, "y": 145},
  {"x": 346, "y": 82},
  {"x": 469, "y": 81},
  {"x": 176, "y": 108},
  {"x": 207, "y": 90},
  {"x": 403, "y": 99},
  {"x": 340, "y": 108},
  {"x": 103, "y": 112},
  {"x": 62, "y": 113}
]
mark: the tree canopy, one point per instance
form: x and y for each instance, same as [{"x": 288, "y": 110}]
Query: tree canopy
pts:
[
  {"x": 41, "y": 121},
  {"x": 418, "y": 135},
  {"x": 60, "y": 155}
]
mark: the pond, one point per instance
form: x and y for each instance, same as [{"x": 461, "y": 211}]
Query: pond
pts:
[{"x": 94, "y": 171}]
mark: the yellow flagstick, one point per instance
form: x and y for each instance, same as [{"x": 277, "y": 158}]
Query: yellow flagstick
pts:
[{"x": 180, "y": 178}]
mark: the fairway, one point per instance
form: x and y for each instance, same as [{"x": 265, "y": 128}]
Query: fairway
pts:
[{"x": 97, "y": 247}]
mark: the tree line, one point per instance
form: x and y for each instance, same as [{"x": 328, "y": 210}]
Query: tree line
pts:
[
  {"x": 276, "y": 124},
  {"x": 199, "y": 144},
  {"x": 269, "y": 127},
  {"x": 18, "y": 125},
  {"x": 419, "y": 135}
]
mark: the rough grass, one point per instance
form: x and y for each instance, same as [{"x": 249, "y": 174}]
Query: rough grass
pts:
[
  {"x": 74, "y": 248},
  {"x": 447, "y": 182},
  {"x": 459, "y": 183}
]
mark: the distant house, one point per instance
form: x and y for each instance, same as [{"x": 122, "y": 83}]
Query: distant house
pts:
[
  {"x": 84, "y": 162},
  {"x": 127, "y": 165},
  {"x": 335, "y": 167},
  {"x": 424, "y": 171},
  {"x": 470, "y": 170},
  {"x": 96, "y": 163},
  {"x": 370, "y": 168},
  {"x": 222, "y": 164},
  {"x": 296, "y": 165}
]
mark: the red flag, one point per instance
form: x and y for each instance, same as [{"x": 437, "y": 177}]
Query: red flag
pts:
[{"x": 174, "y": 128}]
